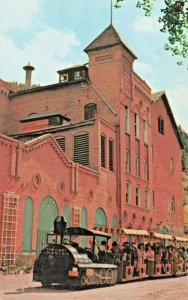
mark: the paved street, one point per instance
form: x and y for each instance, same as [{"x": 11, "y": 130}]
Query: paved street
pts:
[{"x": 21, "y": 287}]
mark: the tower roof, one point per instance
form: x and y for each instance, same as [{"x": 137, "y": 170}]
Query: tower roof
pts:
[{"x": 108, "y": 38}]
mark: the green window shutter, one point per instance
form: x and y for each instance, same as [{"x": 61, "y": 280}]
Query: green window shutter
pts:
[
  {"x": 83, "y": 224},
  {"x": 28, "y": 226},
  {"x": 115, "y": 225}
]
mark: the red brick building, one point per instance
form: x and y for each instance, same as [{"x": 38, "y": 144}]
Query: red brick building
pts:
[{"x": 97, "y": 146}]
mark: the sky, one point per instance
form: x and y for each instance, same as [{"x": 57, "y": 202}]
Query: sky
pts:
[{"x": 52, "y": 34}]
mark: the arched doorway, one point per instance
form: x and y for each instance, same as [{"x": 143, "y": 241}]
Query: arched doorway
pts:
[
  {"x": 100, "y": 221},
  {"x": 48, "y": 211},
  {"x": 164, "y": 230},
  {"x": 27, "y": 225}
]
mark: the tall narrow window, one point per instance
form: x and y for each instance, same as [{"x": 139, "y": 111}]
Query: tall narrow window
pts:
[
  {"x": 127, "y": 161},
  {"x": 146, "y": 177},
  {"x": 137, "y": 166},
  {"x": 153, "y": 194},
  {"x": 81, "y": 149},
  {"x": 173, "y": 204},
  {"x": 145, "y": 131},
  {"x": 136, "y": 125},
  {"x": 146, "y": 200},
  {"x": 111, "y": 154},
  {"x": 160, "y": 125},
  {"x": 137, "y": 196},
  {"x": 171, "y": 164},
  {"x": 89, "y": 111},
  {"x": 127, "y": 119},
  {"x": 128, "y": 192},
  {"x": 103, "y": 151}
]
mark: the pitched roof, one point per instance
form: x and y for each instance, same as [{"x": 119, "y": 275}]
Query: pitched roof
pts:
[
  {"x": 108, "y": 38},
  {"x": 161, "y": 95}
]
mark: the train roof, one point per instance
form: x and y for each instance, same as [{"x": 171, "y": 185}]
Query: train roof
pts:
[{"x": 86, "y": 232}]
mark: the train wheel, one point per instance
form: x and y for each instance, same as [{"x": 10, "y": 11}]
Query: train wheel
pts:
[
  {"x": 102, "y": 276},
  {"x": 109, "y": 276},
  {"x": 83, "y": 281}
]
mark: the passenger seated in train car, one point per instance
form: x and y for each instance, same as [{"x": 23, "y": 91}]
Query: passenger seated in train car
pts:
[
  {"x": 117, "y": 252},
  {"x": 158, "y": 252},
  {"x": 102, "y": 254},
  {"x": 150, "y": 255},
  {"x": 126, "y": 253}
]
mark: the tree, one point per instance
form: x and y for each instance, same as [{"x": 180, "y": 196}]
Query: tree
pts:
[{"x": 174, "y": 21}]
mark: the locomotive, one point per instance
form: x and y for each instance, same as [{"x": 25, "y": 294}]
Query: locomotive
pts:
[{"x": 65, "y": 263}]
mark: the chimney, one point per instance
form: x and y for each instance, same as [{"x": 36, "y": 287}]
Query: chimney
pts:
[{"x": 28, "y": 69}]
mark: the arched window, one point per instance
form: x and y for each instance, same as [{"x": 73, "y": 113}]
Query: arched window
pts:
[
  {"x": 27, "y": 226},
  {"x": 100, "y": 218},
  {"x": 90, "y": 111}
]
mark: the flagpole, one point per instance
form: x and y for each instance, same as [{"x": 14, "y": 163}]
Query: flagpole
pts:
[{"x": 111, "y": 14}]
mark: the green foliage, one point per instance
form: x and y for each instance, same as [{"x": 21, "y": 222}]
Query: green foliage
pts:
[
  {"x": 21, "y": 86},
  {"x": 174, "y": 22},
  {"x": 184, "y": 158}
]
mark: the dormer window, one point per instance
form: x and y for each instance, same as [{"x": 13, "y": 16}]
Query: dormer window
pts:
[
  {"x": 64, "y": 77},
  {"x": 77, "y": 75},
  {"x": 54, "y": 121}
]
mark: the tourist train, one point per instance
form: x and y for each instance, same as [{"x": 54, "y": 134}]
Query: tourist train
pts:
[{"x": 137, "y": 255}]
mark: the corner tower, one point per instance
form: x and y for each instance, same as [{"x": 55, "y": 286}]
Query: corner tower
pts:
[{"x": 110, "y": 65}]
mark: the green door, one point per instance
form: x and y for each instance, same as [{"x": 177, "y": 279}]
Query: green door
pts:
[
  {"x": 100, "y": 221},
  {"x": 48, "y": 211},
  {"x": 27, "y": 226},
  {"x": 83, "y": 224}
]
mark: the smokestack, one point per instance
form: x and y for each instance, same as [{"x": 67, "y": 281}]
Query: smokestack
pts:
[{"x": 28, "y": 70}]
